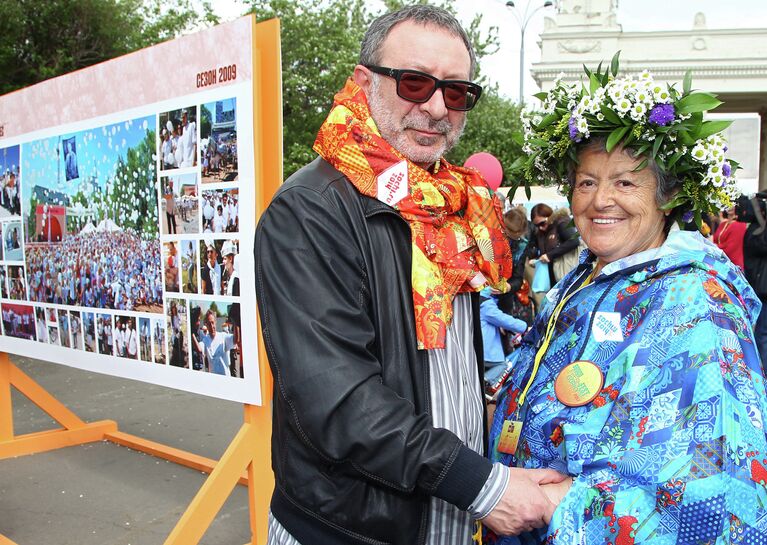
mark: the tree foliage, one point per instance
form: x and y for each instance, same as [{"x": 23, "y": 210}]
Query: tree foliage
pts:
[
  {"x": 320, "y": 47},
  {"x": 40, "y": 40},
  {"x": 493, "y": 126}
]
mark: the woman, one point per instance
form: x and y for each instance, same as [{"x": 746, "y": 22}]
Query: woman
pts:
[
  {"x": 555, "y": 237},
  {"x": 640, "y": 378},
  {"x": 729, "y": 236},
  {"x": 517, "y": 300}
]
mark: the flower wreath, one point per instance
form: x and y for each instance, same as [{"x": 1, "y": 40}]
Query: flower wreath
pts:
[{"x": 652, "y": 119}]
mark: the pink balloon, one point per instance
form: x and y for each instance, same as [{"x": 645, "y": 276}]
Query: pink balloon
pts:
[{"x": 488, "y": 166}]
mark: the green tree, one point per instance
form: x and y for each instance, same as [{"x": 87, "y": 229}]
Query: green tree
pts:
[
  {"x": 43, "y": 39},
  {"x": 132, "y": 202},
  {"x": 320, "y": 46},
  {"x": 493, "y": 126}
]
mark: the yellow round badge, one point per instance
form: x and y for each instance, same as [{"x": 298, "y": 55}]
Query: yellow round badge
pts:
[{"x": 578, "y": 383}]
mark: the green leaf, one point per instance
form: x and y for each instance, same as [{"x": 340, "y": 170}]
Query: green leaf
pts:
[
  {"x": 640, "y": 166},
  {"x": 615, "y": 63},
  {"x": 594, "y": 83},
  {"x": 615, "y": 137},
  {"x": 611, "y": 116},
  {"x": 541, "y": 96},
  {"x": 587, "y": 71},
  {"x": 687, "y": 82},
  {"x": 712, "y": 127},
  {"x": 656, "y": 145},
  {"x": 674, "y": 158},
  {"x": 697, "y": 102},
  {"x": 642, "y": 149},
  {"x": 548, "y": 120}
]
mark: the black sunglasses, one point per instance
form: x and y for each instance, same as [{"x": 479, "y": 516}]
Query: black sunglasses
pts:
[
  {"x": 418, "y": 87},
  {"x": 541, "y": 223}
]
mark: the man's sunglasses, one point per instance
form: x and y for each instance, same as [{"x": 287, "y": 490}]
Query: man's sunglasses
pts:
[{"x": 419, "y": 87}]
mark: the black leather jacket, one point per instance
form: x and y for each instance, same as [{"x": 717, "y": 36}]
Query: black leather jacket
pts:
[{"x": 354, "y": 453}]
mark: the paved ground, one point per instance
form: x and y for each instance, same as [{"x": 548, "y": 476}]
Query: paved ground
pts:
[{"x": 104, "y": 494}]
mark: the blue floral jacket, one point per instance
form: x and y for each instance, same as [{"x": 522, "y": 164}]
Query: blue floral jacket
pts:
[{"x": 672, "y": 450}]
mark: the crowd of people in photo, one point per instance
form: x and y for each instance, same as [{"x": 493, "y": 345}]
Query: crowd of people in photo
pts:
[
  {"x": 115, "y": 270},
  {"x": 219, "y": 157},
  {"x": 220, "y": 212},
  {"x": 219, "y": 273},
  {"x": 18, "y": 322},
  {"x": 9, "y": 192},
  {"x": 125, "y": 337},
  {"x": 178, "y": 142}
]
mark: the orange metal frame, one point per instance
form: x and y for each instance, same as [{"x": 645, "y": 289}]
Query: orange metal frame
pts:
[{"x": 246, "y": 461}]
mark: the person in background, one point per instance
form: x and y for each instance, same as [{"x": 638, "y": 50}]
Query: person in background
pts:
[
  {"x": 555, "y": 238},
  {"x": 517, "y": 301},
  {"x": 493, "y": 321},
  {"x": 729, "y": 236},
  {"x": 753, "y": 213}
]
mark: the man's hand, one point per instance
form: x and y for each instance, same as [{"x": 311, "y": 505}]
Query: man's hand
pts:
[
  {"x": 524, "y": 505},
  {"x": 556, "y": 491},
  {"x": 544, "y": 259}
]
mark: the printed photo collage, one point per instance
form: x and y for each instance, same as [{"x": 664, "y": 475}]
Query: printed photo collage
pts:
[
  {"x": 123, "y": 239},
  {"x": 200, "y": 224}
]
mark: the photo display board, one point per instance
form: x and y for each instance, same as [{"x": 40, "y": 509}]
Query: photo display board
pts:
[{"x": 127, "y": 215}]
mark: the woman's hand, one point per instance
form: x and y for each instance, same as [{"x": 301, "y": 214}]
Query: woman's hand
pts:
[
  {"x": 544, "y": 258},
  {"x": 556, "y": 491}
]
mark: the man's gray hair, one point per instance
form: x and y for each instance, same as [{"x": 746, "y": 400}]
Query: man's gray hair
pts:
[{"x": 423, "y": 14}]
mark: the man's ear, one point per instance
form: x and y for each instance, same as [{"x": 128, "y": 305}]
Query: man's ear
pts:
[{"x": 362, "y": 77}]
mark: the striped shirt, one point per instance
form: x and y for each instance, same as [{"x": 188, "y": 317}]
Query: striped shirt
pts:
[{"x": 457, "y": 406}]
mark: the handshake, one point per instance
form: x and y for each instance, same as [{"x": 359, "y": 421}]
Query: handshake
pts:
[{"x": 529, "y": 501}]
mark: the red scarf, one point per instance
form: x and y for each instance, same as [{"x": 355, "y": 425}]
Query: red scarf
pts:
[{"x": 455, "y": 222}]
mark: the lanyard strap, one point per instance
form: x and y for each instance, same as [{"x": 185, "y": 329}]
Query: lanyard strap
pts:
[{"x": 547, "y": 337}]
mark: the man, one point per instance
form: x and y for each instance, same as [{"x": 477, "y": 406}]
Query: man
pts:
[
  {"x": 232, "y": 289},
  {"x": 368, "y": 263},
  {"x": 219, "y": 222},
  {"x": 210, "y": 272},
  {"x": 70, "y": 161},
  {"x": 188, "y": 141},
  {"x": 217, "y": 346},
  {"x": 131, "y": 340}
]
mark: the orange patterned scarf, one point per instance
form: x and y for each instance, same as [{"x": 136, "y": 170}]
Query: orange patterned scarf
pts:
[{"x": 455, "y": 223}]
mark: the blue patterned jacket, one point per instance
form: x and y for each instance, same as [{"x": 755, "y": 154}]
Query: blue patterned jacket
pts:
[{"x": 672, "y": 450}]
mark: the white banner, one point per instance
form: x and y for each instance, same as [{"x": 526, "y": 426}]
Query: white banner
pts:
[{"x": 127, "y": 213}]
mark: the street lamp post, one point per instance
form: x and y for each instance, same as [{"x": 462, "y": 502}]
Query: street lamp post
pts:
[{"x": 522, "y": 20}]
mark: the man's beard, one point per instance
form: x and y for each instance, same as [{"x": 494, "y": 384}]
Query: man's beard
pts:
[{"x": 393, "y": 130}]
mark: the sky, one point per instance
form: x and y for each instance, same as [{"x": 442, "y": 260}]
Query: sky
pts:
[
  {"x": 98, "y": 150},
  {"x": 633, "y": 15}
]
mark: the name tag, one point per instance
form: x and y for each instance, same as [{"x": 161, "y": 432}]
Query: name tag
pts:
[
  {"x": 509, "y": 438},
  {"x": 607, "y": 327}
]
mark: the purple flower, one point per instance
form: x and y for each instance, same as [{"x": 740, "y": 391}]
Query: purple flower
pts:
[
  {"x": 726, "y": 169},
  {"x": 687, "y": 216},
  {"x": 662, "y": 114},
  {"x": 574, "y": 134}
]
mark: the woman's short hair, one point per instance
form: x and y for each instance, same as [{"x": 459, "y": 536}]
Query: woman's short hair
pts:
[
  {"x": 541, "y": 210},
  {"x": 515, "y": 223}
]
